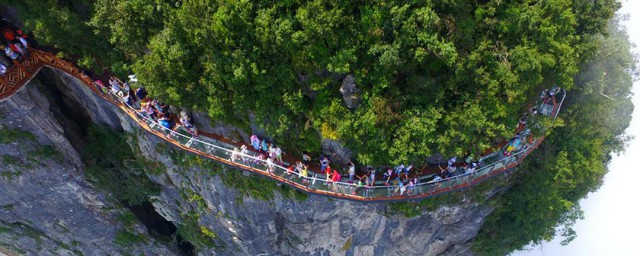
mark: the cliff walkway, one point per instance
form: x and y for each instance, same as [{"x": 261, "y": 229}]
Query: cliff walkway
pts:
[{"x": 218, "y": 149}]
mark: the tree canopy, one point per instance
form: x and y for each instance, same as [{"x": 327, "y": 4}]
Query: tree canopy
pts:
[
  {"x": 573, "y": 159},
  {"x": 443, "y": 77}
]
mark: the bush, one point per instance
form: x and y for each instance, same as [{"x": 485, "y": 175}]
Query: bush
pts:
[
  {"x": 198, "y": 235},
  {"x": 113, "y": 167},
  {"x": 126, "y": 238}
]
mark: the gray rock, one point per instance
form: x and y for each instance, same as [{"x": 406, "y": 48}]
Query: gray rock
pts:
[
  {"x": 46, "y": 205},
  {"x": 336, "y": 151},
  {"x": 350, "y": 92},
  {"x": 51, "y": 207}
]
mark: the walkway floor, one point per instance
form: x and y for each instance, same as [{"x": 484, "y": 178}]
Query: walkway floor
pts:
[{"x": 21, "y": 73}]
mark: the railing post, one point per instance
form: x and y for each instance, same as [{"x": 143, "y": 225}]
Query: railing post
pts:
[
  {"x": 37, "y": 59},
  {"x": 312, "y": 181}
]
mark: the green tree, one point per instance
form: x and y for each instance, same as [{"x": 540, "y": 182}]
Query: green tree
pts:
[
  {"x": 435, "y": 77},
  {"x": 573, "y": 159}
]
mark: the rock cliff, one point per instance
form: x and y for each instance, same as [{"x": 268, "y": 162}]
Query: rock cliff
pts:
[{"x": 48, "y": 207}]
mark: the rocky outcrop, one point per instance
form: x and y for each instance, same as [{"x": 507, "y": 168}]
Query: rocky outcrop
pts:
[
  {"x": 336, "y": 151},
  {"x": 53, "y": 201},
  {"x": 46, "y": 205},
  {"x": 316, "y": 226},
  {"x": 321, "y": 226},
  {"x": 350, "y": 92}
]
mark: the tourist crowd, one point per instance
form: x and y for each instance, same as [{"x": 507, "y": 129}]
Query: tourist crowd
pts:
[
  {"x": 399, "y": 178},
  {"x": 150, "y": 108},
  {"x": 14, "y": 45}
]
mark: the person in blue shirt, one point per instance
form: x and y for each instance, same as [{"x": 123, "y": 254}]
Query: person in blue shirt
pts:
[
  {"x": 165, "y": 122},
  {"x": 324, "y": 163},
  {"x": 265, "y": 148}
]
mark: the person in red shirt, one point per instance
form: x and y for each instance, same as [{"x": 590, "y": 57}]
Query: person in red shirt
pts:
[
  {"x": 9, "y": 35},
  {"x": 336, "y": 176},
  {"x": 327, "y": 171},
  {"x": 290, "y": 170},
  {"x": 23, "y": 39},
  {"x": 21, "y": 34},
  {"x": 16, "y": 48}
]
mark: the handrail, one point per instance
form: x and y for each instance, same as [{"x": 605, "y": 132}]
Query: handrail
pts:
[
  {"x": 564, "y": 95},
  {"x": 19, "y": 75}
]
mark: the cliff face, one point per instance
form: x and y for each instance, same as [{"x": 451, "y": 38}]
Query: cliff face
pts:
[{"x": 48, "y": 207}]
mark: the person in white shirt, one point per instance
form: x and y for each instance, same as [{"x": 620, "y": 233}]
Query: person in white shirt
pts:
[{"x": 352, "y": 171}]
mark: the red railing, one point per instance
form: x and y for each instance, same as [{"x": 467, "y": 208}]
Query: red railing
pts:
[{"x": 22, "y": 72}]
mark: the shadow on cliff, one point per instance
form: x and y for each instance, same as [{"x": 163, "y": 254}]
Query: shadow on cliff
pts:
[{"x": 110, "y": 164}]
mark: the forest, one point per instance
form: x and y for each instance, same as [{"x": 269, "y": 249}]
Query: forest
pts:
[{"x": 433, "y": 77}]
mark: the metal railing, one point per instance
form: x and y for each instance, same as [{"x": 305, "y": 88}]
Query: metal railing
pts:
[
  {"x": 318, "y": 183},
  {"x": 312, "y": 183}
]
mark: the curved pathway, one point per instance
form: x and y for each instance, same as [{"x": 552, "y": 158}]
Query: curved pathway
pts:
[{"x": 490, "y": 165}]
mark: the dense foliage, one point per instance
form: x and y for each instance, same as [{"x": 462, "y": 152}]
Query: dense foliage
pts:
[
  {"x": 447, "y": 76},
  {"x": 573, "y": 159},
  {"x": 434, "y": 76}
]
